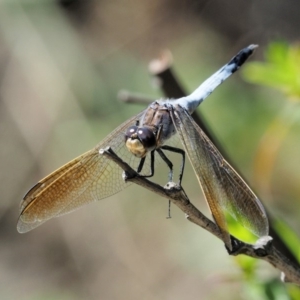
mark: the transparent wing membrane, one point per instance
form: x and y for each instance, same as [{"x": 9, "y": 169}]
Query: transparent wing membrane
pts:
[
  {"x": 85, "y": 179},
  {"x": 223, "y": 188},
  {"x": 92, "y": 176}
]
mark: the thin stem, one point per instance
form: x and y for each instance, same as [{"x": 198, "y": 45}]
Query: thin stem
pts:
[{"x": 263, "y": 249}]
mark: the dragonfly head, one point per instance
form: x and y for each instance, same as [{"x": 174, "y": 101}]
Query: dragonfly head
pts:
[{"x": 140, "y": 140}]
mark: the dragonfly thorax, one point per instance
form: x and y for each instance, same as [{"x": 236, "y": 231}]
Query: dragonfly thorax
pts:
[{"x": 140, "y": 140}]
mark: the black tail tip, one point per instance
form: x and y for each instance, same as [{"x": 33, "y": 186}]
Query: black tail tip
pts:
[{"x": 242, "y": 56}]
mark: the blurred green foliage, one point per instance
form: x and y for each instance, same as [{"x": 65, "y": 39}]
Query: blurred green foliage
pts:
[
  {"x": 59, "y": 89},
  {"x": 281, "y": 69},
  {"x": 288, "y": 236}
]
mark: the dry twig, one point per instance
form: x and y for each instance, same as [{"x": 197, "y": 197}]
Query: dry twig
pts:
[{"x": 263, "y": 249}]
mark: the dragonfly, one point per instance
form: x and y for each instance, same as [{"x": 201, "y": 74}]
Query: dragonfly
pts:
[{"x": 142, "y": 141}]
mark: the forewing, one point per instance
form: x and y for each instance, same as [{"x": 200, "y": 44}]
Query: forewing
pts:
[
  {"x": 223, "y": 188},
  {"x": 85, "y": 179}
]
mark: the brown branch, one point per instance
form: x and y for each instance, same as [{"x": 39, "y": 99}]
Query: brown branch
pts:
[
  {"x": 263, "y": 249},
  {"x": 161, "y": 69},
  {"x": 171, "y": 88},
  {"x": 274, "y": 251},
  {"x": 130, "y": 97}
]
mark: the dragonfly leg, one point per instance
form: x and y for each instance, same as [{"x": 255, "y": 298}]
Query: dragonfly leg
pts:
[
  {"x": 170, "y": 165},
  {"x": 141, "y": 165},
  {"x": 180, "y": 151},
  {"x": 168, "y": 162}
]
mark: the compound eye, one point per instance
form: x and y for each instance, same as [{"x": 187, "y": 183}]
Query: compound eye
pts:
[
  {"x": 147, "y": 137},
  {"x": 130, "y": 131}
]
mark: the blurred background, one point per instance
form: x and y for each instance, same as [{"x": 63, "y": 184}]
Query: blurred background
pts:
[{"x": 62, "y": 65}]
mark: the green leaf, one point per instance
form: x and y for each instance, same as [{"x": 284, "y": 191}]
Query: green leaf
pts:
[
  {"x": 288, "y": 236},
  {"x": 281, "y": 70}
]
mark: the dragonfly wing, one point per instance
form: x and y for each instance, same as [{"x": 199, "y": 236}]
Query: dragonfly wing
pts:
[
  {"x": 223, "y": 188},
  {"x": 85, "y": 179}
]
